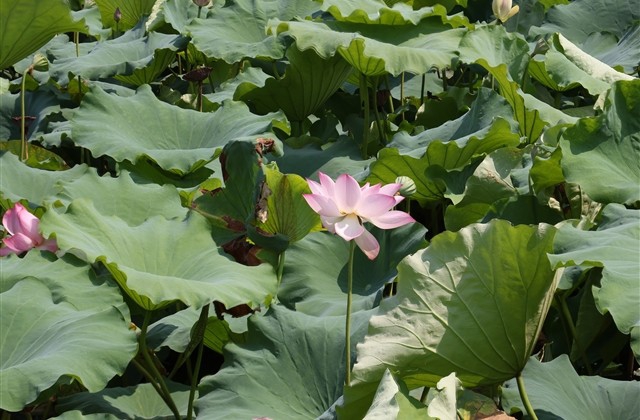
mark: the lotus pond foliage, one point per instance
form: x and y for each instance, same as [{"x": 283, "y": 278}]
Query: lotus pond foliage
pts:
[{"x": 298, "y": 209}]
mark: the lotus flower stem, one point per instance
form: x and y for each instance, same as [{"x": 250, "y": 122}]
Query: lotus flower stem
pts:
[
  {"x": 347, "y": 329},
  {"x": 280, "y": 269},
  {"x": 422, "y": 83},
  {"x": 204, "y": 316},
  {"x": 364, "y": 98},
  {"x": 147, "y": 375},
  {"x": 524, "y": 397},
  {"x": 165, "y": 394},
  {"x": 383, "y": 139},
  {"x": 402, "y": 94},
  {"x": 568, "y": 320},
  {"x": 24, "y": 155}
]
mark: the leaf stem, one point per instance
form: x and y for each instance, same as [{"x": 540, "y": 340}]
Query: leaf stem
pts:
[
  {"x": 364, "y": 98},
  {"x": 153, "y": 370},
  {"x": 280, "y": 271},
  {"x": 23, "y": 140},
  {"x": 204, "y": 315},
  {"x": 568, "y": 319},
  {"x": 347, "y": 329},
  {"x": 524, "y": 397}
]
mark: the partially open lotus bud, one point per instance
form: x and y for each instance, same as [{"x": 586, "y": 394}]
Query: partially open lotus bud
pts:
[
  {"x": 503, "y": 11},
  {"x": 408, "y": 187}
]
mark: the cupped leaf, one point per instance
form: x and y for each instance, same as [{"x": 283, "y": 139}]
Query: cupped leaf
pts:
[
  {"x": 473, "y": 302},
  {"x": 307, "y": 83},
  {"x": 178, "y": 140},
  {"x": 392, "y": 401},
  {"x": 134, "y": 402},
  {"x": 161, "y": 260},
  {"x": 612, "y": 246},
  {"x": 27, "y": 25},
  {"x": 38, "y": 106},
  {"x": 378, "y": 49},
  {"x": 19, "y": 181},
  {"x": 139, "y": 57},
  {"x": 291, "y": 367},
  {"x": 55, "y": 317},
  {"x": 218, "y": 36},
  {"x": 287, "y": 212},
  {"x": 122, "y": 197},
  {"x": 556, "y": 391},
  {"x": 130, "y": 12},
  {"x": 601, "y": 153},
  {"x": 315, "y": 272}
]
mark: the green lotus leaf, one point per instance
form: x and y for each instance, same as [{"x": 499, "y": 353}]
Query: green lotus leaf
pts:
[
  {"x": 91, "y": 15},
  {"x": 612, "y": 246},
  {"x": 178, "y": 140},
  {"x": 178, "y": 13},
  {"x": 601, "y": 153},
  {"x": 160, "y": 260},
  {"x": 472, "y": 302},
  {"x": 378, "y": 12},
  {"x": 392, "y": 401},
  {"x": 54, "y": 326},
  {"x": 556, "y": 391},
  {"x": 38, "y": 106},
  {"x": 378, "y": 49},
  {"x": 567, "y": 66},
  {"x": 122, "y": 197},
  {"x": 246, "y": 80},
  {"x": 624, "y": 53},
  {"x": 26, "y": 25},
  {"x": 218, "y": 36},
  {"x": 37, "y": 157},
  {"x": 131, "y": 12},
  {"x": 495, "y": 46},
  {"x": 489, "y": 119},
  {"x": 135, "y": 57},
  {"x": 19, "y": 181},
  {"x": 317, "y": 286},
  {"x": 575, "y": 20},
  {"x": 134, "y": 402},
  {"x": 307, "y": 83},
  {"x": 341, "y": 156},
  {"x": 287, "y": 212},
  {"x": 291, "y": 367}
]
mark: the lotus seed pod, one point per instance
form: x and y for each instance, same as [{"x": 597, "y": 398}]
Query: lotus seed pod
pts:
[
  {"x": 40, "y": 62},
  {"x": 201, "y": 3},
  {"x": 408, "y": 186}
]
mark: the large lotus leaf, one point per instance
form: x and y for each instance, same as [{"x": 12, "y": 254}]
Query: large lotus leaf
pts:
[
  {"x": 378, "y": 49},
  {"x": 315, "y": 271},
  {"x": 287, "y": 212},
  {"x": 161, "y": 260},
  {"x": 134, "y": 402},
  {"x": 489, "y": 186},
  {"x": 472, "y": 302},
  {"x": 19, "y": 181},
  {"x": 178, "y": 13},
  {"x": 37, "y": 157},
  {"x": 138, "y": 56},
  {"x": 38, "y": 105},
  {"x": 481, "y": 121},
  {"x": 178, "y": 140},
  {"x": 556, "y": 391},
  {"x": 308, "y": 82},
  {"x": 577, "y": 19},
  {"x": 392, "y": 401},
  {"x": 625, "y": 53},
  {"x": 613, "y": 246},
  {"x": 567, "y": 66},
  {"x": 218, "y": 36},
  {"x": 124, "y": 198},
  {"x": 378, "y": 12},
  {"x": 496, "y": 46},
  {"x": 54, "y": 325},
  {"x": 131, "y": 12},
  {"x": 249, "y": 78},
  {"x": 601, "y": 153},
  {"x": 341, "y": 156},
  {"x": 26, "y": 25},
  {"x": 291, "y": 367},
  {"x": 448, "y": 155}
]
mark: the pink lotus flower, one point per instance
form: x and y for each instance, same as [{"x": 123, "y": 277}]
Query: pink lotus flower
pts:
[
  {"x": 344, "y": 206},
  {"x": 24, "y": 230}
]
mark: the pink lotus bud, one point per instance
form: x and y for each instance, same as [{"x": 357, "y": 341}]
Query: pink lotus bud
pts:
[{"x": 117, "y": 15}]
